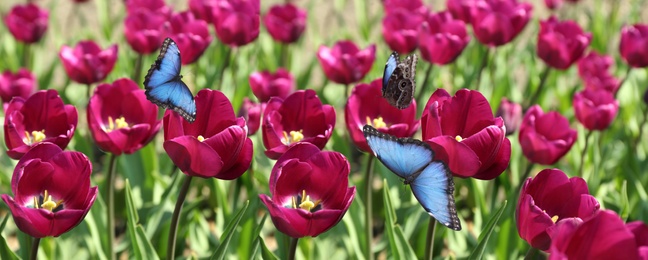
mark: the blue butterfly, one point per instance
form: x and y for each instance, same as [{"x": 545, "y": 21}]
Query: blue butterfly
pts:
[
  {"x": 398, "y": 80},
  {"x": 413, "y": 160},
  {"x": 164, "y": 85}
]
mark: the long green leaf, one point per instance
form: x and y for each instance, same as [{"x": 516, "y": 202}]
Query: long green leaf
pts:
[
  {"x": 478, "y": 252},
  {"x": 229, "y": 232},
  {"x": 140, "y": 242},
  {"x": 257, "y": 232},
  {"x": 5, "y": 251},
  {"x": 397, "y": 241},
  {"x": 265, "y": 252}
]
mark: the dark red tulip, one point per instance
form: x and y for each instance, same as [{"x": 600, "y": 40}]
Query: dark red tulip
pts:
[
  {"x": 345, "y": 63},
  {"x": 400, "y": 30},
  {"x": 561, "y": 43},
  {"x": 237, "y": 21},
  {"x": 125, "y": 126},
  {"x": 40, "y": 118},
  {"x": 300, "y": 117},
  {"x": 251, "y": 112},
  {"x": 145, "y": 30},
  {"x": 285, "y": 23},
  {"x": 441, "y": 38},
  {"x": 366, "y": 106},
  {"x": 51, "y": 191},
  {"x": 497, "y": 22},
  {"x": 595, "y": 109},
  {"x": 594, "y": 68},
  {"x": 462, "y": 9},
  {"x": 463, "y": 133},
  {"x": 547, "y": 198},
  {"x": 266, "y": 84},
  {"x": 602, "y": 236},
  {"x": 215, "y": 145},
  {"x": 640, "y": 232},
  {"x": 310, "y": 191},
  {"x": 19, "y": 84},
  {"x": 553, "y": 4},
  {"x": 634, "y": 45},
  {"x": 412, "y": 6},
  {"x": 191, "y": 35},
  {"x": 87, "y": 63},
  {"x": 511, "y": 113},
  {"x": 80, "y": 1},
  {"x": 27, "y": 23},
  {"x": 545, "y": 138},
  {"x": 155, "y": 6},
  {"x": 203, "y": 9}
]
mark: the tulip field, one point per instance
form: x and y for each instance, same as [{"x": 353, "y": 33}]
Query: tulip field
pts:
[{"x": 345, "y": 129}]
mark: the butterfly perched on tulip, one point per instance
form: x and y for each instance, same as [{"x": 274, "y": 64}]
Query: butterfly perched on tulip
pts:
[
  {"x": 413, "y": 160},
  {"x": 164, "y": 86},
  {"x": 398, "y": 80}
]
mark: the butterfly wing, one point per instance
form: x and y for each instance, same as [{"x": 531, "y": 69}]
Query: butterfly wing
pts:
[
  {"x": 164, "y": 85},
  {"x": 390, "y": 66},
  {"x": 433, "y": 188},
  {"x": 403, "y": 156},
  {"x": 399, "y": 87}
]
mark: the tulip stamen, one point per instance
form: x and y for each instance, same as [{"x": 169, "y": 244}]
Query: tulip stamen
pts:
[
  {"x": 201, "y": 138},
  {"x": 376, "y": 122},
  {"x": 295, "y": 136},
  {"x": 306, "y": 203},
  {"x": 116, "y": 124},
  {"x": 48, "y": 202},
  {"x": 34, "y": 137},
  {"x": 555, "y": 218},
  {"x": 458, "y": 138}
]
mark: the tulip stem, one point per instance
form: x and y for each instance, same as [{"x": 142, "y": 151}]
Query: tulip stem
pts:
[
  {"x": 627, "y": 75},
  {"x": 26, "y": 49},
  {"x": 346, "y": 91},
  {"x": 138, "y": 68},
  {"x": 641, "y": 127},
  {"x": 34, "y": 249},
  {"x": 543, "y": 79},
  {"x": 173, "y": 231},
  {"x": 582, "y": 161},
  {"x": 428, "y": 71},
  {"x": 429, "y": 250},
  {"x": 531, "y": 254},
  {"x": 88, "y": 92},
  {"x": 368, "y": 206},
  {"x": 483, "y": 65},
  {"x": 525, "y": 175},
  {"x": 228, "y": 53},
  {"x": 110, "y": 185},
  {"x": 283, "y": 55},
  {"x": 293, "y": 248}
]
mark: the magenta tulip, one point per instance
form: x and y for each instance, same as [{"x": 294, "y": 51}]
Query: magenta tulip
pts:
[
  {"x": 51, "y": 191},
  {"x": 155, "y": 6},
  {"x": 412, "y": 6},
  {"x": 251, "y": 112},
  {"x": 442, "y": 39},
  {"x": 27, "y": 23},
  {"x": 545, "y": 138},
  {"x": 40, "y": 118},
  {"x": 285, "y": 23},
  {"x": 547, "y": 198},
  {"x": 145, "y": 30},
  {"x": 561, "y": 43},
  {"x": 634, "y": 45},
  {"x": 400, "y": 30},
  {"x": 498, "y": 22},
  {"x": 595, "y": 109},
  {"x": 266, "y": 84},
  {"x": 19, "y": 84},
  {"x": 300, "y": 117},
  {"x": 345, "y": 63},
  {"x": 553, "y": 4},
  {"x": 215, "y": 145},
  {"x": 87, "y": 63},
  {"x": 594, "y": 68},
  {"x": 463, "y": 133},
  {"x": 309, "y": 190},
  {"x": 237, "y": 21},
  {"x": 462, "y": 9},
  {"x": 511, "y": 113},
  {"x": 203, "y": 9},
  {"x": 366, "y": 106},
  {"x": 191, "y": 35}
]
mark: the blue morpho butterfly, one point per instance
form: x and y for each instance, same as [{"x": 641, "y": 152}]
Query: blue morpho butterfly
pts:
[
  {"x": 164, "y": 85},
  {"x": 413, "y": 160},
  {"x": 398, "y": 80}
]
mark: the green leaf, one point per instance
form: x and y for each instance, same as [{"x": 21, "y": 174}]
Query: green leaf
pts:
[
  {"x": 229, "y": 232},
  {"x": 141, "y": 244},
  {"x": 5, "y": 251},
  {"x": 265, "y": 252},
  {"x": 397, "y": 241},
  {"x": 257, "y": 232},
  {"x": 625, "y": 204},
  {"x": 478, "y": 252}
]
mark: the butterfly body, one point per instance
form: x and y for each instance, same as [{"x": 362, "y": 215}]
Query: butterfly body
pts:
[
  {"x": 413, "y": 160},
  {"x": 164, "y": 86},
  {"x": 398, "y": 80}
]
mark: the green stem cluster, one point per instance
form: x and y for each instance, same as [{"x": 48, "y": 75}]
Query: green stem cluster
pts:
[
  {"x": 369, "y": 207},
  {"x": 110, "y": 186},
  {"x": 173, "y": 231}
]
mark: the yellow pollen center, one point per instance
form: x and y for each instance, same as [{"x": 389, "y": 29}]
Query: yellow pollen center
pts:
[
  {"x": 306, "y": 203},
  {"x": 295, "y": 136},
  {"x": 116, "y": 124},
  {"x": 376, "y": 122},
  {"x": 554, "y": 218},
  {"x": 48, "y": 203},
  {"x": 201, "y": 138},
  {"x": 34, "y": 137},
  {"x": 458, "y": 138}
]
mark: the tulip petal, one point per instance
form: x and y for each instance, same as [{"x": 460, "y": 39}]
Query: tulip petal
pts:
[{"x": 193, "y": 157}]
